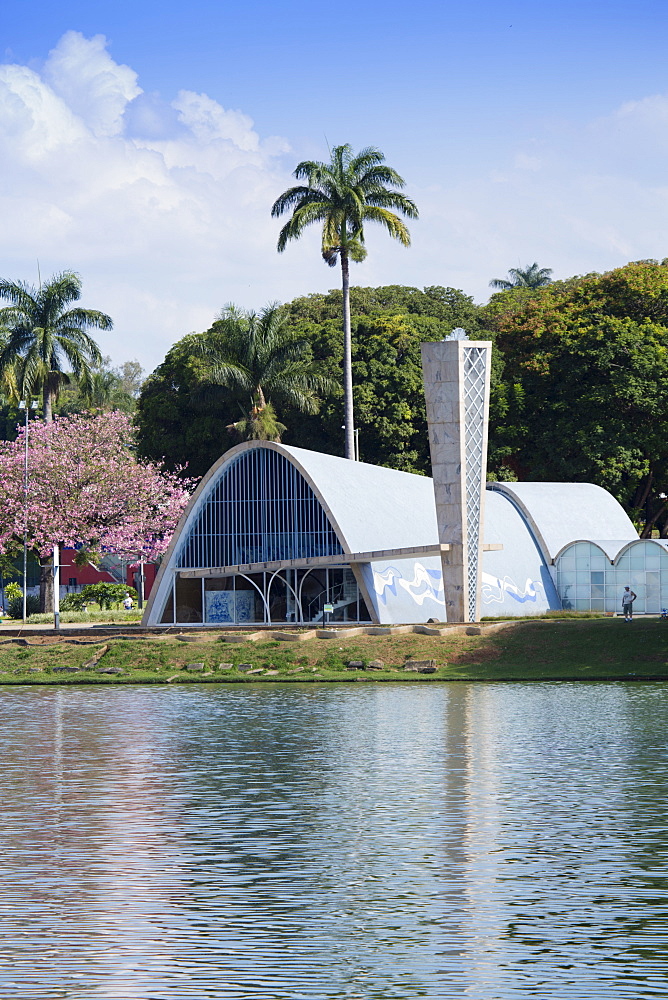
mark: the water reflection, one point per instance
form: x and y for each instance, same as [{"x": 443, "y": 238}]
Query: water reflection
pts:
[{"x": 484, "y": 841}]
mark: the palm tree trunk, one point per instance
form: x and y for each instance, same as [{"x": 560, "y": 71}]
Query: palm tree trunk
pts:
[
  {"x": 347, "y": 361},
  {"x": 45, "y": 583},
  {"x": 47, "y": 400}
]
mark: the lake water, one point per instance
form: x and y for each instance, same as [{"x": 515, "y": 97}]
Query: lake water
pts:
[{"x": 363, "y": 841}]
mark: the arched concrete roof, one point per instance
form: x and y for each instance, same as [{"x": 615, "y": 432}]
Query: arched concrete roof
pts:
[
  {"x": 370, "y": 507},
  {"x": 373, "y": 508},
  {"x": 661, "y": 542},
  {"x": 561, "y": 513},
  {"x": 516, "y": 579},
  {"x": 609, "y": 547}
]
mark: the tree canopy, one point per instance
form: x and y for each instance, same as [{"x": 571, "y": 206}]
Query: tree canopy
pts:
[
  {"x": 579, "y": 383},
  {"x": 109, "y": 388},
  {"x": 45, "y": 333},
  {"x": 177, "y": 427},
  {"x": 584, "y": 391}
]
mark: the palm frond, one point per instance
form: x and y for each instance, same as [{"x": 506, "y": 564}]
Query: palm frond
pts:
[
  {"x": 302, "y": 217},
  {"x": 262, "y": 425},
  {"x": 531, "y": 276},
  {"x": 397, "y": 229},
  {"x": 19, "y": 293},
  {"x": 341, "y": 195},
  {"x": 83, "y": 318},
  {"x": 381, "y": 198},
  {"x": 42, "y": 332},
  {"x": 295, "y": 197},
  {"x": 380, "y": 175}
]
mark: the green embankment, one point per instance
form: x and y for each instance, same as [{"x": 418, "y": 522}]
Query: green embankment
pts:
[{"x": 599, "y": 649}]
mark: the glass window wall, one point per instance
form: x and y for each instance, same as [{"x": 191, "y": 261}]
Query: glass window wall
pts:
[
  {"x": 587, "y": 581},
  {"x": 261, "y": 510},
  {"x": 290, "y": 596}
]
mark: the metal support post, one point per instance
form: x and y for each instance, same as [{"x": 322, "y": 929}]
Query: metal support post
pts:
[{"x": 56, "y": 587}]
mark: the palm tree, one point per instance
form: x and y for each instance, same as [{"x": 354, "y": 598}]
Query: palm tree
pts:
[
  {"x": 257, "y": 355},
  {"x": 341, "y": 196},
  {"x": 43, "y": 333},
  {"x": 530, "y": 276},
  {"x": 106, "y": 392}
]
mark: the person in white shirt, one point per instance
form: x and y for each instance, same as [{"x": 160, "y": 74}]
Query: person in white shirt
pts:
[{"x": 628, "y": 597}]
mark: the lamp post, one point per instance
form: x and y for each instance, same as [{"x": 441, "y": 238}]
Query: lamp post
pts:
[
  {"x": 56, "y": 587},
  {"x": 140, "y": 583},
  {"x": 27, "y": 406}
]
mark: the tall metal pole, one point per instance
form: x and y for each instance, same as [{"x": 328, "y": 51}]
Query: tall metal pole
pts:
[
  {"x": 25, "y": 519},
  {"x": 56, "y": 587}
]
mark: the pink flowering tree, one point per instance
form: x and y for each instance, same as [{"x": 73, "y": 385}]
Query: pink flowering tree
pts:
[{"x": 86, "y": 488}]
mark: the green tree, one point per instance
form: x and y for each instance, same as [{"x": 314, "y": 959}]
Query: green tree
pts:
[
  {"x": 105, "y": 595},
  {"x": 256, "y": 355},
  {"x": 109, "y": 388},
  {"x": 388, "y": 325},
  {"x": 531, "y": 276},
  {"x": 44, "y": 332},
  {"x": 178, "y": 426},
  {"x": 342, "y": 196},
  {"x": 585, "y": 386}
]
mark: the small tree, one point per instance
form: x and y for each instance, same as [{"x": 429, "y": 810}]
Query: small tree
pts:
[{"x": 86, "y": 488}]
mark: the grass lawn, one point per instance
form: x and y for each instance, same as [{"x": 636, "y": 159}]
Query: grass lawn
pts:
[
  {"x": 93, "y": 615},
  {"x": 596, "y": 649}
]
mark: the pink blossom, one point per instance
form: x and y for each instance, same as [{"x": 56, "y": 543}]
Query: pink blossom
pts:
[{"x": 86, "y": 486}]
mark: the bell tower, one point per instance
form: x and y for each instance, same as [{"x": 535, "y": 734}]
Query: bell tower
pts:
[{"x": 456, "y": 382}]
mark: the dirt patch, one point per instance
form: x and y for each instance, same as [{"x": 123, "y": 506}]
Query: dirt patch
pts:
[{"x": 482, "y": 655}]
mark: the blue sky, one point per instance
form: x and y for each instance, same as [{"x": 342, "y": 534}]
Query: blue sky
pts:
[{"x": 144, "y": 143}]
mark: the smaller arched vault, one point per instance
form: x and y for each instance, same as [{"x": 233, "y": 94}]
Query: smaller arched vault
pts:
[{"x": 276, "y": 534}]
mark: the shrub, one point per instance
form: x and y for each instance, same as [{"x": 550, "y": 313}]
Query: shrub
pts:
[
  {"x": 15, "y": 605},
  {"x": 105, "y": 594},
  {"x": 12, "y": 591},
  {"x": 72, "y": 602}
]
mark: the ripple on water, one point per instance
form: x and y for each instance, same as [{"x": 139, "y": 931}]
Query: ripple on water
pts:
[{"x": 476, "y": 840}]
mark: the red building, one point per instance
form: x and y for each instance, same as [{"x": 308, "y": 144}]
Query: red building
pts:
[{"x": 112, "y": 570}]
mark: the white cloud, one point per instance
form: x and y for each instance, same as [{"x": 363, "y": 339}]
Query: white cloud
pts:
[
  {"x": 162, "y": 202},
  {"x": 90, "y": 83},
  {"x": 209, "y": 121},
  {"x": 523, "y": 161},
  {"x": 163, "y": 209},
  {"x": 33, "y": 120}
]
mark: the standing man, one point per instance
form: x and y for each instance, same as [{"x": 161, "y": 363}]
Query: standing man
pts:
[{"x": 628, "y": 597}]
